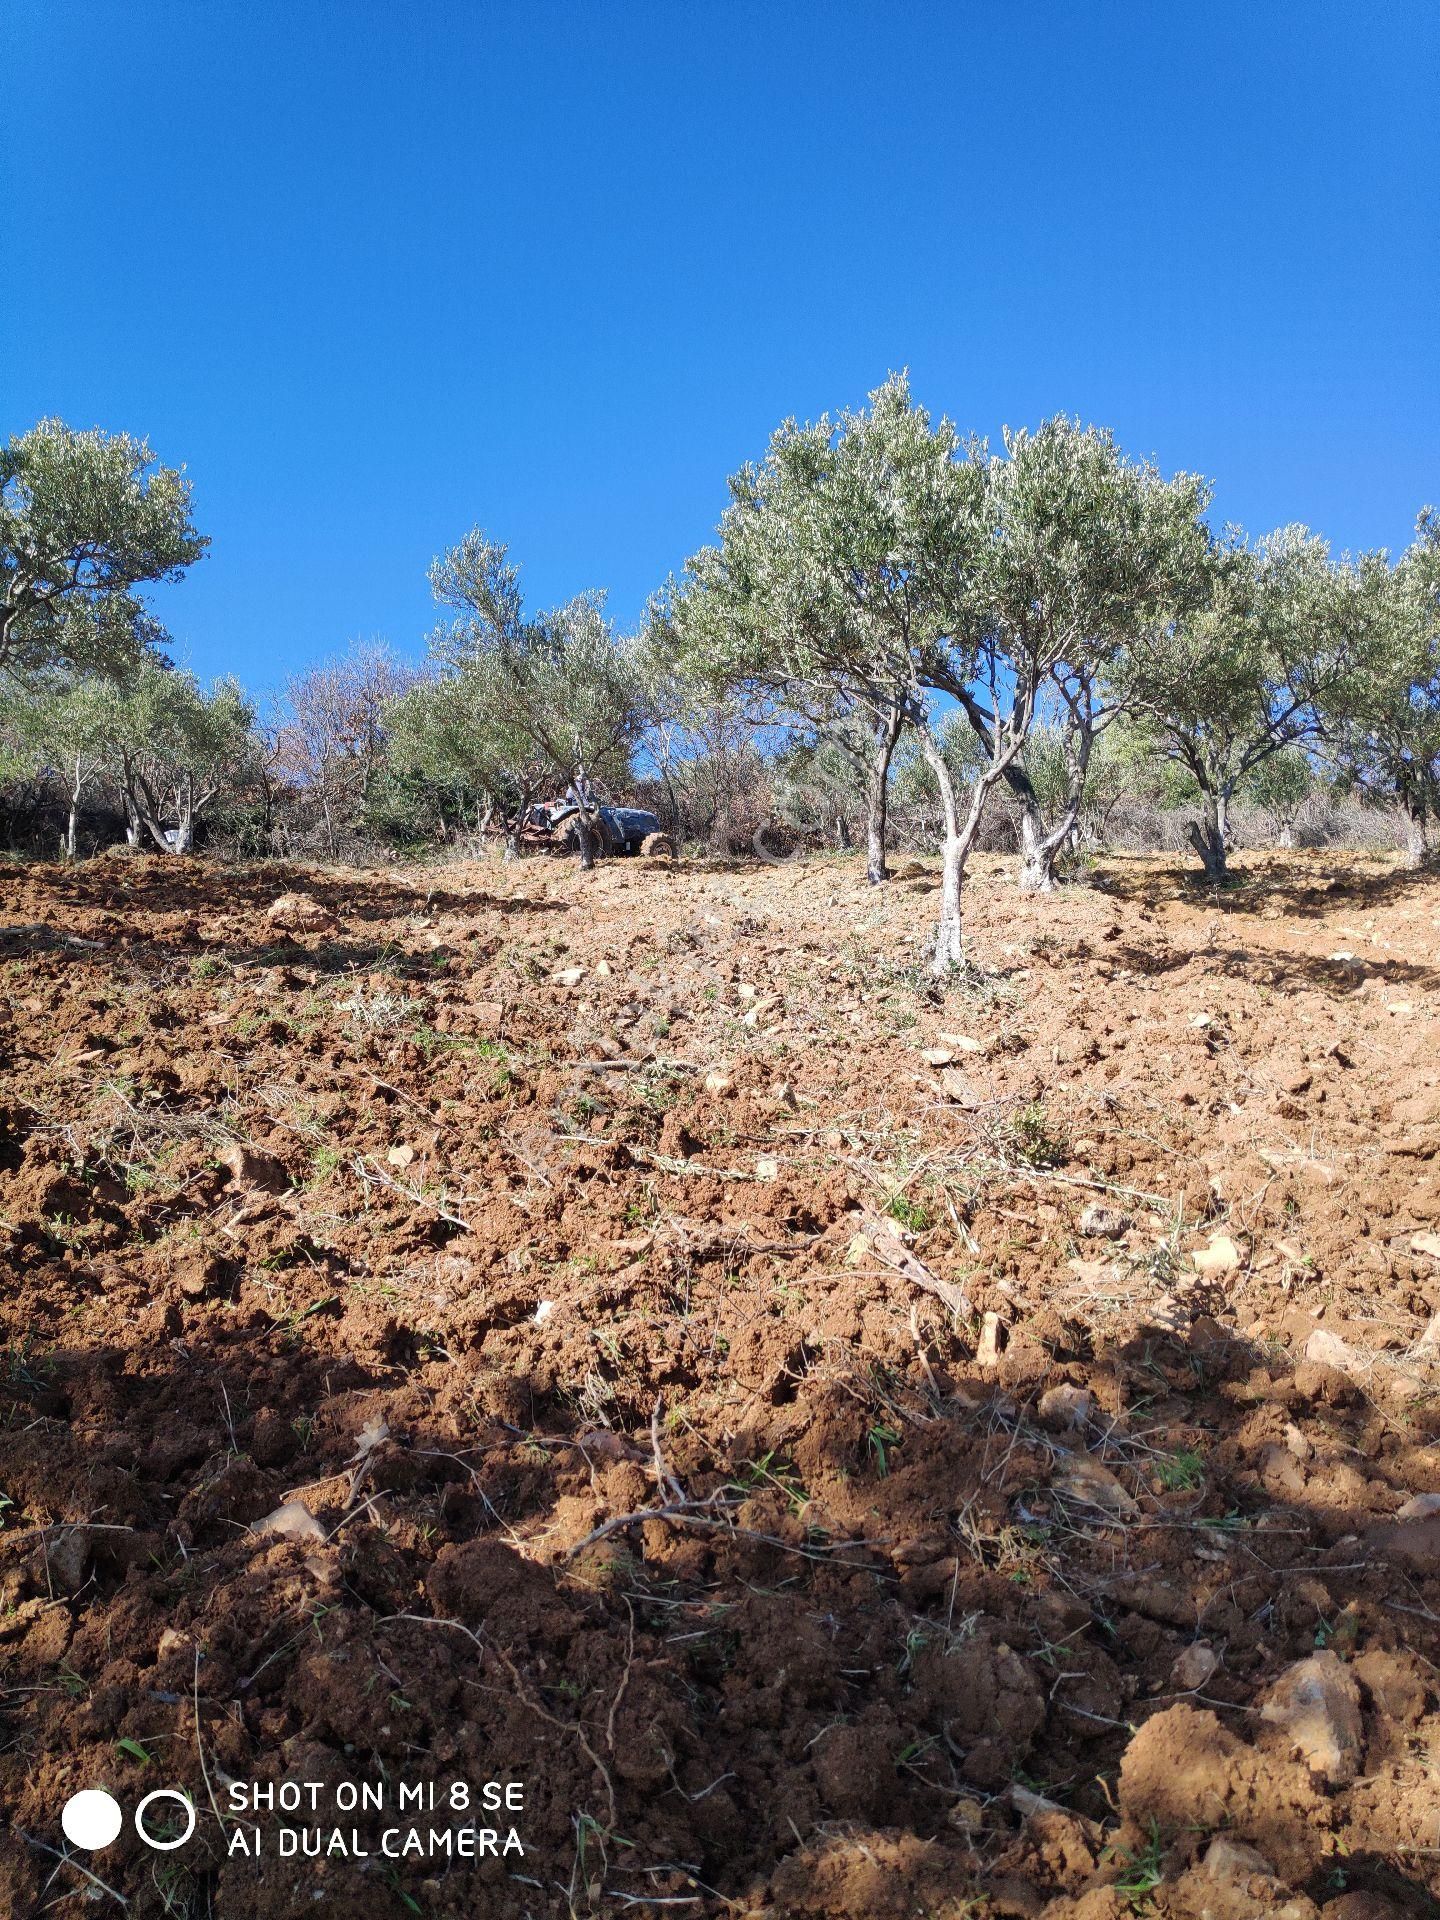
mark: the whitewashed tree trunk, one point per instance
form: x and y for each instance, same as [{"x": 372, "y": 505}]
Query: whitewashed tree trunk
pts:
[{"x": 949, "y": 940}]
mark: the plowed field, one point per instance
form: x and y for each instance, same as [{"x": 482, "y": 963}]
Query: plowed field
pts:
[{"x": 837, "y": 1448}]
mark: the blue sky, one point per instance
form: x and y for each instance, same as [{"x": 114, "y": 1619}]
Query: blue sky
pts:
[{"x": 379, "y": 273}]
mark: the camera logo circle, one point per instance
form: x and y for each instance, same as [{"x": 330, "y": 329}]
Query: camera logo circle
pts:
[
  {"x": 165, "y": 1793},
  {"x": 91, "y": 1819}
]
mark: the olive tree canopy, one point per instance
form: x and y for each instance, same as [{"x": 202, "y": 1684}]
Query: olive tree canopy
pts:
[
  {"x": 558, "y": 687},
  {"x": 85, "y": 518},
  {"x": 814, "y": 599},
  {"x": 176, "y": 747},
  {"x": 1085, "y": 552},
  {"x": 1270, "y": 647},
  {"x": 1384, "y": 729}
]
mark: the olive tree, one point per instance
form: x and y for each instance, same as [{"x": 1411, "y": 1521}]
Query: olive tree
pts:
[
  {"x": 706, "y": 742},
  {"x": 454, "y": 735},
  {"x": 64, "y": 728},
  {"x": 810, "y": 601},
  {"x": 1384, "y": 730},
  {"x": 560, "y": 681},
  {"x": 1281, "y": 785},
  {"x": 1086, "y": 551},
  {"x": 850, "y": 568},
  {"x": 1252, "y": 666},
  {"x": 174, "y": 749},
  {"x": 85, "y": 518}
]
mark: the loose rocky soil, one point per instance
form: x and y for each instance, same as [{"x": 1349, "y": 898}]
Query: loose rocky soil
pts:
[{"x": 848, "y": 1450}]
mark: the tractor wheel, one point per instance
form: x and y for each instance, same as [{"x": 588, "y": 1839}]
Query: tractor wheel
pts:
[{"x": 659, "y": 844}]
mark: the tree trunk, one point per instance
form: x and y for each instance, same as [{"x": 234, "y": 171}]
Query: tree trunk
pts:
[
  {"x": 72, "y": 824},
  {"x": 877, "y": 796},
  {"x": 140, "y": 806},
  {"x": 842, "y": 833},
  {"x": 1037, "y": 855},
  {"x": 585, "y": 841},
  {"x": 949, "y": 944},
  {"x": 1417, "y": 841},
  {"x": 1287, "y": 835},
  {"x": 1208, "y": 837},
  {"x": 1040, "y": 851},
  {"x": 184, "y": 841}
]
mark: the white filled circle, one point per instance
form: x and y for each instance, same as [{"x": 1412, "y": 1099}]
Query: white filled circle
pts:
[
  {"x": 166, "y": 1793},
  {"x": 91, "y": 1819}
]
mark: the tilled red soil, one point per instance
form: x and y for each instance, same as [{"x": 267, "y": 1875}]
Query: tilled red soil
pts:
[{"x": 597, "y": 1273}]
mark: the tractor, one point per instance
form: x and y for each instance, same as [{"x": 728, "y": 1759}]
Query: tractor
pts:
[{"x": 616, "y": 830}]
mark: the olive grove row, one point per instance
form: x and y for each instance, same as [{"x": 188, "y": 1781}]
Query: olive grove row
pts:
[{"x": 885, "y": 601}]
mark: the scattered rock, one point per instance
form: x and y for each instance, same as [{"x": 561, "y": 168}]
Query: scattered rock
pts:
[
  {"x": 1296, "y": 1445},
  {"x": 961, "y": 1042},
  {"x": 1234, "y": 1864},
  {"x": 374, "y": 1433},
  {"x": 1428, "y": 1243},
  {"x": 937, "y": 1056},
  {"x": 1326, "y": 1349},
  {"x": 1219, "y": 1256},
  {"x": 293, "y": 1521},
  {"x": 767, "y": 1167},
  {"x": 567, "y": 976},
  {"x": 67, "y": 1555},
  {"x": 1084, "y": 1479},
  {"x": 1420, "y": 1506},
  {"x": 1065, "y": 1409},
  {"x": 1028, "y": 1804},
  {"x": 400, "y": 1155},
  {"x": 1194, "y": 1667},
  {"x": 1104, "y": 1223},
  {"x": 1317, "y": 1704},
  {"x": 300, "y": 913},
  {"x": 956, "y": 1087},
  {"x": 992, "y": 1341},
  {"x": 719, "y": 1086}
]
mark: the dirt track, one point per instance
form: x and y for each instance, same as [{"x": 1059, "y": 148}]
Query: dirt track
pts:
[{"x": 520, "y": 1201}]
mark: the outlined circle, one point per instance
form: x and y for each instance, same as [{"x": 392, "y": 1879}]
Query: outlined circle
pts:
[
  {"x": 165, "y": 1793},
  {"x": 91, "y": 1819}
]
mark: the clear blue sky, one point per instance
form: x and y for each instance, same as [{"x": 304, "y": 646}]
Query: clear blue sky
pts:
[{"x": 377, "y": 273}]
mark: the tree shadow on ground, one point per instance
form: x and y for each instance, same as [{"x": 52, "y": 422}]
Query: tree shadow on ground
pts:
[{"x": 820, "y": 1629}]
